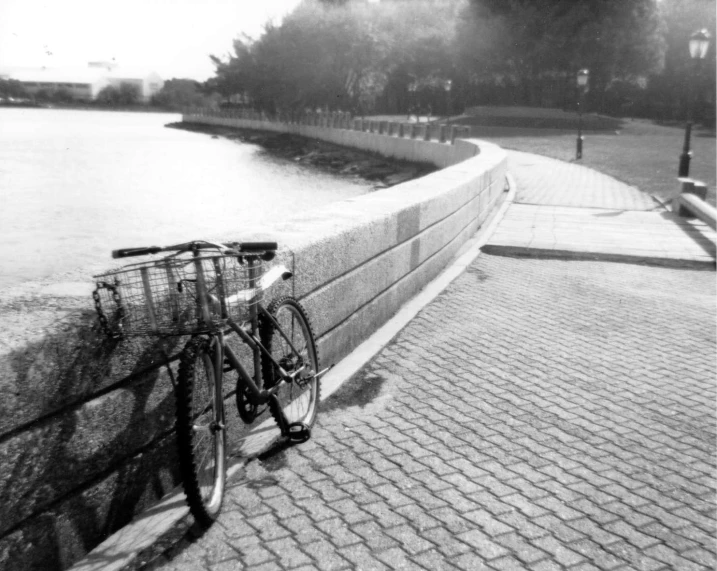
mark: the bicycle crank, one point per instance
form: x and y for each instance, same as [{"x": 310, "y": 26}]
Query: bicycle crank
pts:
[{"x": 247, "y": 407}]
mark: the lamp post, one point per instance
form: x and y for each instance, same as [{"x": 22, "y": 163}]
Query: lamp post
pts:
[
  {"x": 699, "y": 44},
  {"x": 447, "y": 85},
  {"x": 412, "y": 87},
  {"x": 582, "y": 80}
]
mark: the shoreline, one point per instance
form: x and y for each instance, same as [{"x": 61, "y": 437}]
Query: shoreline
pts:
[{"x": 323, "y": 156}]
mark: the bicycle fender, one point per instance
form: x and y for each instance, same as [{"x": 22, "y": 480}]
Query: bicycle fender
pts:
[
  {"x": 273, "y": 275},
  {"x": 265, "y": 282}
]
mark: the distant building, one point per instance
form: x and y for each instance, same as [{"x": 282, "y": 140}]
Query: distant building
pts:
[
  {"x": 83, "y": 84},
  {"x": 86, "y": 83},
  {"x": 148, "y": 83}
]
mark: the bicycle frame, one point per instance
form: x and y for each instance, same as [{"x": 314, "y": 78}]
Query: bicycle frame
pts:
[{"x": 250, "y": 338}]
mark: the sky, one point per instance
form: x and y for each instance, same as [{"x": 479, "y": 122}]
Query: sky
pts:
[{"x": 172, "y": 37}]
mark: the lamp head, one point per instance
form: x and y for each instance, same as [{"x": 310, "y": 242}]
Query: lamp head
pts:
[
  {"x": 582, "y": 78},
  {"x": 699, "y": 44}
]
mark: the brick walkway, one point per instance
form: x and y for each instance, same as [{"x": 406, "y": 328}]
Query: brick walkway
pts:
[
  {"x": 550, "y": 182},
  {"x": 537, "y": 415},
  {"x": 566, "y": 210}
]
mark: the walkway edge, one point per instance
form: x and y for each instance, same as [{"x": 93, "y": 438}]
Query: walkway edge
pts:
[
  {"x": 353, "y": 362},
  {"x": 121, "y": 549},
  {"x": 572, "y": 255}
]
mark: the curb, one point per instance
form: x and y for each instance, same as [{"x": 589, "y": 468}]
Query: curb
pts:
[{"x": 570, "y": 255}]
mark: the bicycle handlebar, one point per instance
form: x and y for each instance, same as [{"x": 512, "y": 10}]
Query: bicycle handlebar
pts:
[
  {"x": 230, "y": 248},
  {"x": 127, "y": 252}
]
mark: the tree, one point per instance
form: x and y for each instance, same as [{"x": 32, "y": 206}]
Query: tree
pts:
[
  {"x": 342, "y": 55},
  {"x": 181, "y": 93},
  {"x": 117, "y": 96},
  {"x": 669, "y": 92},
  {"x": 537, "y": 41},
  {"x": 12, "y": 88}
]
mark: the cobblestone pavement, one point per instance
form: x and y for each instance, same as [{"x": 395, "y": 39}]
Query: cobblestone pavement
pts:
[
  {"x": 539, "y": 414},
  {"x": 542, "y": 180}
]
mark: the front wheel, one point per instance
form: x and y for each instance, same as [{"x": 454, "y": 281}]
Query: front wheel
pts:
[
  {"x": 294, "y": 349},
  {"x": 201, "y": 435}
]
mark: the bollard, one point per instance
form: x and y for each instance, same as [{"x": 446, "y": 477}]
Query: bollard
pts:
[
  {"x": 427, "y": 132},
  {"x": 454, "y": 134},
  {"x": 442, "y": 133},
  {"x": 413, "y": 130},
  {"x": 401, "y": 129}
]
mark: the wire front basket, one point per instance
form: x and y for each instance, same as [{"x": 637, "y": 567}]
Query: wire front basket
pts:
[{"x": 179, "y": 295}]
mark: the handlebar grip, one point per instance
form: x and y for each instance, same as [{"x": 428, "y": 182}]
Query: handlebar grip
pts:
[
  {"x": 127, "y": 252},
  {"x": 258, "y": 246}
]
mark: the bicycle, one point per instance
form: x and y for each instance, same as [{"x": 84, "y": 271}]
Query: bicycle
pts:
[{"x": 209, "y": 290}]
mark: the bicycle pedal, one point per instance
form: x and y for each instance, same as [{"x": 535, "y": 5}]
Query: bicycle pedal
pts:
[{"x": 298, "y": 432}]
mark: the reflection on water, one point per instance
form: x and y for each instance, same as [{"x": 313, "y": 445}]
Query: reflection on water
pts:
[{"x": 76, "y": 184}]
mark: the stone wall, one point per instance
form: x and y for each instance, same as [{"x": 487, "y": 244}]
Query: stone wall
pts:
[{"x": 86, "y": 422}]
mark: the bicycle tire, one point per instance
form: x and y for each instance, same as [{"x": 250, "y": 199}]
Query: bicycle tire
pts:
[
  {"x": 298, "y": 400},
  {"x": 200, "y": 429}
]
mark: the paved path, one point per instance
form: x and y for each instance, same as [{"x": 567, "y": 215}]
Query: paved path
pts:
[
  {"x": 658, "y": 237},
  {"x": 539, "y": 414},
  {"x": 566, "y": 210},
  {"x": 546, "y": 181}
]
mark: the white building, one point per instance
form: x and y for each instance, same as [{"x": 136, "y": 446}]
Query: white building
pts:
[
  {"x": 82, "y": 83},
  {"x": 148, "y": 83},
  {"x": 86, "y": 83}
]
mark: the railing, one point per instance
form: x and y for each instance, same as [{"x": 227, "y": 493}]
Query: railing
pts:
[
  {"x": 442, "y": 133},
  {"x": 691, "y": 203}
]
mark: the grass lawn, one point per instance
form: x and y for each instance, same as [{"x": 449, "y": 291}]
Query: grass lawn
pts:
[{"x": 639, "y": 152}]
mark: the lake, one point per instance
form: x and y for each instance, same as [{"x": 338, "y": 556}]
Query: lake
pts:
[{"x": 76, "y": 184}]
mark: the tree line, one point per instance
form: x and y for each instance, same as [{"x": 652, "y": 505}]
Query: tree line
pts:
[
  {"x": 176, "y": 94},
  {"x": 394, "y": 56}
]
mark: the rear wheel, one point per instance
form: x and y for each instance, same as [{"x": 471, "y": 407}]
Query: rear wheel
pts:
[
  {"x": 201, "y": 436},
  {"x": 298, "y": 400}
]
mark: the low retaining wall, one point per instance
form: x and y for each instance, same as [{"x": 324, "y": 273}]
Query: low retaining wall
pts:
[{"x": 86, "y": 422}]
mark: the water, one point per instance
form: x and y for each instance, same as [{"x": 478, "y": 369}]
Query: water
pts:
[{"x": 76, "y": 184}]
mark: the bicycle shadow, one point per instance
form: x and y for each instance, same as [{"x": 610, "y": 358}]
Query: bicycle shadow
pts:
[{"x": 73, "y": 475}]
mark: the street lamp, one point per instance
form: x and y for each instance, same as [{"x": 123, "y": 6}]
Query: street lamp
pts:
[
  {"x": 699, "y": 44},
  {"x": 412, "y": 87},
  {"x": 582, "y": 78},
  {"x": 447, "y": 85}
]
